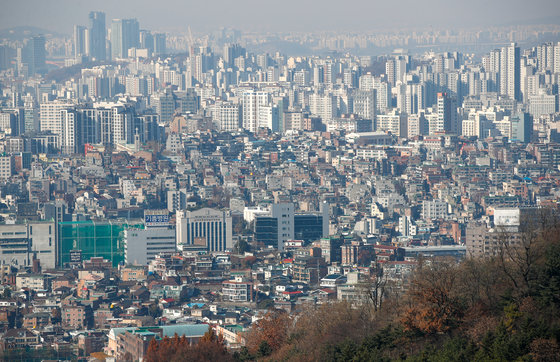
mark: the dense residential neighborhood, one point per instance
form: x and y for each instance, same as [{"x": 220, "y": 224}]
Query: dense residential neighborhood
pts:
[{"x": 148, "y": 195}]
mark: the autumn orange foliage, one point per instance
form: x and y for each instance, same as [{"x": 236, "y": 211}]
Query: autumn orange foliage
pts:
[
  {"x": 272, "y": 329},
  {"x": 209, "y": 348},
  {"x": 434, "y": 305}
]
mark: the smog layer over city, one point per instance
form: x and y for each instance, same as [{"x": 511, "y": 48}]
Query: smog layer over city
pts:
[{"x": 263, "y": 181}]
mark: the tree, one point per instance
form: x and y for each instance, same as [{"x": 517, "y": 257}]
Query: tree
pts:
[
  {"x": 241, "y": 246},
  {"x": 365, "y": 256},
  {"x": 210, "y": 347},
  {"x": 434, "y": 306},
  {"x": 272, "y": 329},
  {"x": 520, "y": 254},
  {"x": 154, "y": 311},
  {"x": 152, "y": 352},
  {"x": 545, "y": 350},
  {"x": 56, "y": 316},
  {"x": 239, "y": 227},
  {"x": 248, "y": 261},
  {"x": 547, "y": 290},
  {"x": 243, "y": 355},
  {"x": 265, "y": 303},
  {"x": 376, "y": 288},
  {"x": 318, "y": 327},
  {"x": 264, "y": 349}
]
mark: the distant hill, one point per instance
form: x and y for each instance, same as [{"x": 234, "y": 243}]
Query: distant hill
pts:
[
  {"x": 60, "y": 75},
  {"x": 548, "y": 20},
  {"x": 22, "y": 32},
  {"x": 282, "y": 46}
]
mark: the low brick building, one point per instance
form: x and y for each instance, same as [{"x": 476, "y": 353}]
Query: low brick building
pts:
[{"x": 77, "y": 316}]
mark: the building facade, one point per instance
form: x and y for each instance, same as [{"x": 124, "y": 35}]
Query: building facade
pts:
[
  {"x": 19, "y": 242},
  {"x": 205, "y": 227}
]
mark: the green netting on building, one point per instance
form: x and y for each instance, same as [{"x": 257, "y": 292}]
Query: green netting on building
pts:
[{"x": 93, "y": 239}]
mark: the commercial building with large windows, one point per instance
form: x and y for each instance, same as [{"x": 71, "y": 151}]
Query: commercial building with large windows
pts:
[
  {"x": 206, "y": 228},
  {"x": 281, "y": 223},
  {"x": 309, "y": 226},
  {"x": 89, "y": 239},
  {"x": 266, "y": 230},
  {"x": 157, "y": 237}
]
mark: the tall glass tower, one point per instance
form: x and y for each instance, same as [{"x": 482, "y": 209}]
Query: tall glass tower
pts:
[
  {"x": 125, "y": 34},
  {"x": 97, "y": 35}
]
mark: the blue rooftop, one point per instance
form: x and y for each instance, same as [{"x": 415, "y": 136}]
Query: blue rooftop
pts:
[{"x": 188, "y": 330}]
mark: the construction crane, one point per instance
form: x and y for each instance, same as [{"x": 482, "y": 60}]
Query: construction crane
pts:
[{"x": 191, "y": 42}]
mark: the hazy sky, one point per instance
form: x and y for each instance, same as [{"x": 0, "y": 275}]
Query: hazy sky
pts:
[{"x": 264, "y": 15}]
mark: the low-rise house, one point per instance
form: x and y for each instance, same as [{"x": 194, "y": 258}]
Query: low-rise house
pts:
[
  {"x": 77, "y": 316},
  {"x": 35, "y": 282},
  {"x": 135, "y": 340},
  {"x": 131, "y": 272},
  {"x": 333, "y": 280},
  {"x": 36, "y": 320},
  {"x": 20, "y": 338},
  {"x": 233, "y": 335},
  {"x": 91, "y": 342},
  {"x": 237, "y": 290}
]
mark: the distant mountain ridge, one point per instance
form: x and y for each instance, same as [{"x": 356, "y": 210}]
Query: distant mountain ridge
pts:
[
  {"x": 548, "y": 20},
  {"x": 22, "y": 32}
]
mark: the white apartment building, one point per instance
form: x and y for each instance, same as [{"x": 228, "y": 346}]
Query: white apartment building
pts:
[
  {"x": 434, "y": 209},
  {"x": 251, "y": 102},
  {"x": 226, "y": 116},
  {"x": 365, "y": 104},
  {"x": 543, "y": 104},
  {"x": 323, "y": 106}
]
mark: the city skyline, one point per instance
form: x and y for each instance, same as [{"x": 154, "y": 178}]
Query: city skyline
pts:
[
  {"x": 245, "y": 181},
  {"x": 249, "y": 15}
]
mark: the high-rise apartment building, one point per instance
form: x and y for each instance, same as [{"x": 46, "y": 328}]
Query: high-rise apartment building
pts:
[
  {"x": 446, "y": 114},
  {"x": 58, "y": 118},
  {"x": 510, "y": 79},
  {"x": 97, "y": 35},
  {"x": 231, "y": 52},
  {"x": 226, "y": 116},
  {"x": 80, "y": 41},
  {"x": 31, "y": 57},
  {"x": 366, "y": 82},
  {"x": 365, "y": 104},
  {"x": 252, "y": 102},
  {"x": 125, "y": 34},
  {"x": 146, "y": 41},
  {"x": 110, "y": 123},
  {"x": 323, "y": 106},
  {"x": 522, "y": 127},
  {"x": 159, "y": 44},
  {"x": 415, "y": 98},
  {"x": 557, "y": 58}
]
